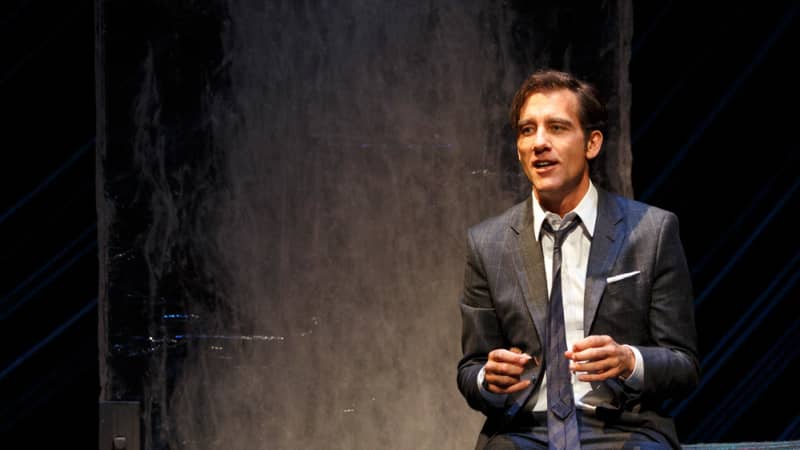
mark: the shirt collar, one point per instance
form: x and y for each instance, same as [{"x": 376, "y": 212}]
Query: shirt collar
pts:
[{"x": 586, "y": 210}]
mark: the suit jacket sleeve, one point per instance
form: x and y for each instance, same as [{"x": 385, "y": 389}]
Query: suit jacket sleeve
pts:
[
  {"x": 481, "y": 332},
  {"x": 671, "y": 365}
]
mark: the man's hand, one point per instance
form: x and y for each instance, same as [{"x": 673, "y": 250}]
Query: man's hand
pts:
[
  {"x": 601, "y": 358},
  {"x": 503, "y": 370}
]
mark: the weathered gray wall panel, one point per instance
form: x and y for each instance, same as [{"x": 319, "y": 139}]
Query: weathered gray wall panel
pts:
[{"x": 284, "y": 189}]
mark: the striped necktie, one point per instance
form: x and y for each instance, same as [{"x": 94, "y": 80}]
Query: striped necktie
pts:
[{"x": 562, "y": 423}]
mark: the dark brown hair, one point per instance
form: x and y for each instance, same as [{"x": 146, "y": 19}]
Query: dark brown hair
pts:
[{"x": 591, "y": 109}]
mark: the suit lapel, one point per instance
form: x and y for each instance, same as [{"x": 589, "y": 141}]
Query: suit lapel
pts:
[
  {"x": 609, "y": 235},
  {"x": 529, "y": 267}
]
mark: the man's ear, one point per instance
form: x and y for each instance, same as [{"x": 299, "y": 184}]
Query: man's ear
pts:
[{"x": 593, "y": 144}]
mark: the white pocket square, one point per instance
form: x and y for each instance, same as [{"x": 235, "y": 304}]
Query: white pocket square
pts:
[{"x": 621, "y": 276}]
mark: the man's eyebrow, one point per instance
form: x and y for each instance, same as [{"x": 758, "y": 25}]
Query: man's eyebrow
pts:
[
  {"x": 525, "y": 122},
  {"x": 559, "y": 121},
  {"x": 549, "y": 121}
]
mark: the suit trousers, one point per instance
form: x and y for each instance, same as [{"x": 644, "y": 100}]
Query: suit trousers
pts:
[{"x": 529, "y": 432}]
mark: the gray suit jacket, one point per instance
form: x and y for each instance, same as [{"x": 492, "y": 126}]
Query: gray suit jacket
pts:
[{"x": 504, "y": 304}]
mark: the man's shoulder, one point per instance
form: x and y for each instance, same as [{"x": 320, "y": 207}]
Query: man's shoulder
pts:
[
  {"x": 632, "y": 207},
  {"x": 502, "y": 221}
]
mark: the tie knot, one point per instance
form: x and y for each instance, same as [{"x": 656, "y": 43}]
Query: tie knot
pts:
[{"x": 562, "y": 232}]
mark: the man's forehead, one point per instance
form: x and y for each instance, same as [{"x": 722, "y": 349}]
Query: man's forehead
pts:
[
  {"x": 561, "y": 97},
  {"x": 550, "y": 105}
]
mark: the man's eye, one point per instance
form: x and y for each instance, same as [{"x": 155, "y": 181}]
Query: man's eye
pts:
[{"x": 526, "y": 131}]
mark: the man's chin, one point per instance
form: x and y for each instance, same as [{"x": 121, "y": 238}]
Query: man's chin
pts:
[{"x": 546, "y": 189}]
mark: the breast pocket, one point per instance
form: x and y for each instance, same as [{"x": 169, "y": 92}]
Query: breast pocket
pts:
[{"x": 624, "y": 304}]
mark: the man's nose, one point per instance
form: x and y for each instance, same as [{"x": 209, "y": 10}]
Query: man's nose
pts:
[{"x": 541, "y": 140}]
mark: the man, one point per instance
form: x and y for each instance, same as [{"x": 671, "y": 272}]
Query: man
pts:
[{"x": 624, "y": 306}]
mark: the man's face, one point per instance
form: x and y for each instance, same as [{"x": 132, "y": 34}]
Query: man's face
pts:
[{"x": 553, "y": 150}]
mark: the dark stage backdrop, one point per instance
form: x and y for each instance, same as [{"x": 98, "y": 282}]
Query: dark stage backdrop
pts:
[
  {"x": 712, "y": 138},
  {"x": 283, "y": 194}
]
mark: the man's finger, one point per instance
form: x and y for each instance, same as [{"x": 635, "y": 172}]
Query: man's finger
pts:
[
  {"x": 494, "y": 367},
  {"x": 501, "y": 381},
  {"x": 518, "y": 387},
  {"x": 510, "y": 389},
  {"x": 592, "y": 354},
  {"x": 591, "y": 341},
  {"x": 589, "y": 377},
  {"x": 508, "y": 356},
  {"x": 591, "y": 366}
]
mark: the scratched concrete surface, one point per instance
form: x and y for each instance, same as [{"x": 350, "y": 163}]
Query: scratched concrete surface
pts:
[{"x": 283, "y": 212}]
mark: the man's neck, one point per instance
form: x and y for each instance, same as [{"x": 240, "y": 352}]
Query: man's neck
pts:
[{"x": 561, "y": 204}]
